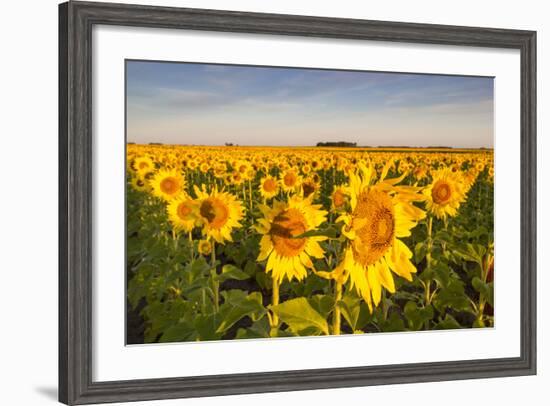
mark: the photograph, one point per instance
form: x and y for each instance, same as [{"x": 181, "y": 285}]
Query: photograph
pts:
[{"x": 267, "y": 202}]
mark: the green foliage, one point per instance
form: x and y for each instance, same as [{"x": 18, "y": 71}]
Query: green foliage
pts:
[
  {"x": 301, "y": 317},
  {"x": 183, "y": 296}
]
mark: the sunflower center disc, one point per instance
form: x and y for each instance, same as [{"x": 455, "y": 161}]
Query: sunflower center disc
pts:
[
  {"x": 374, "y": 213},
  {"x": 441, "y": 192},
  {"x": 215, "y": 212},
  {"x": 270, "y": 185},
  {"x": 169, "y": 185},
  {"x": 289, "y": 179},
  {"x": 183, "y": 210},
  {"x": 285, "y": 226}
]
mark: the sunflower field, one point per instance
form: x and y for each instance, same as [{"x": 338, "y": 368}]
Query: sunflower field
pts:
[{"x": 256, "y": 242}]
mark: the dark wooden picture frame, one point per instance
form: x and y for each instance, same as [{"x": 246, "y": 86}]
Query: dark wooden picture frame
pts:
[{"x": 76, "y": 20}]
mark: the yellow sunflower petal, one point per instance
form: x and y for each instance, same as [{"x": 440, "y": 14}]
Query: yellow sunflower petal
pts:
[
  {"x": 385, "y": 276},
  {"x": 265, "y": 248}
]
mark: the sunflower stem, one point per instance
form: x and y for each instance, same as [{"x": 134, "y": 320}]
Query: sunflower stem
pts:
[
  {"x": 215, "y": 283},
  {"x": 274, "y": 302},
  {"x": 190, "y": 235},
  {"x": 385, "y": 308},
  {"x": 337, "y": 315},
  {"x": 429, "y": 242},
  {"x": 250, "y": 194},
  {"x": 484, "y": 268},
  {"x": 213, "y": 255}
]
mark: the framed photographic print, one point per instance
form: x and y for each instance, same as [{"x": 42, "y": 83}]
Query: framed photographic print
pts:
[{"x": 258, "y": 202}]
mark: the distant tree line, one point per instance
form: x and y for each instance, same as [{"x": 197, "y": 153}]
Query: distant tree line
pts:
[{"x": 337, "y": 144}]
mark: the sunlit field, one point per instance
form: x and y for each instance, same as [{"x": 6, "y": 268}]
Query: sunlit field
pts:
[{"x": 262, "y": 242}]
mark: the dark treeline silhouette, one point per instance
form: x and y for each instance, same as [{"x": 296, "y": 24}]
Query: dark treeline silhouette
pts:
[{"x": 337, "y": 144}]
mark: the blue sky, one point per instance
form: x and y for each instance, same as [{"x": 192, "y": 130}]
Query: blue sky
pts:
[{"x": 184, "y": 103}]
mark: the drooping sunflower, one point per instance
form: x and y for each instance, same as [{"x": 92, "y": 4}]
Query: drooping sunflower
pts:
[
  {"x": 140, "y": 184},
  {"x": 380, "y": 214},
  {"x": 167, "y": 184},
  {"x": 445, "y": 194},
  {"x": 219, "y": 213},
  {"x": 309, "y": 187},
  {"x": 286, "y": 255},
  {"x": 269, "y": 187},
  {"x": 182, "y": 213},
  {"x": 339, "y": 199}
]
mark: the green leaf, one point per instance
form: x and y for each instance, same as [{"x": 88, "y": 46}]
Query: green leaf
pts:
[
  {"x": 350, "y": 309},
  {"x": 199, "y": 267},
  {"x": 442, "y": 273},
  {"x": 263, "y": 280},
  {"x": 237, "y": 308},
  {"x": 443, "y": 236},
  {"x": 452, "y": 296},
  {"x": 448, "y": 323},
  {"x": 478, "y": 232},
  {"x": 232, "y": 272},
  {"x": 355, "y": 312},
  {"x": 417, "y": 316},
  {"x": 206, "y": 327},
  {"x": 259, "y": 329},
  {"x": 419, "y": 252},
  {"x": 466, "y": 254},
  {"x": 323, "y": 304},
  {"x": 393, "y": 323},
  {"x": 182, "y": 331},
  {"x": 250, "y": 268},
  {"x": 484, "y": 289},
  {"x": 299, "y": 315}
]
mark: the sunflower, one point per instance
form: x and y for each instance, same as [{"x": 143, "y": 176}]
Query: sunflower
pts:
[
  {"x": 204, "y": 167},
  {"x": 445, "y": 194},
  {"x": 182, "y": 213},
  {"x": 167, "y": 184},
  {"x": 244, "y": 168},
  {"x": 420, "y": 172},
  {"x": 219, "y": 213},
  {"x": 269, "y": 187},
  {"x": 236, "y": 178},
  {"x": 288, "y": 256},
  {"x": 143, "y": 165},
  {"x": 469, "y": 178},
  {"x": 309, "y": 187},
  {"x": 339, "y": 199},
  {"x": 220, "y": 170},
  {"x": 380, "y": 214},
  {"x": 290, "y": 180},
  {"x": 140, "y": 184},
  {"x": 205, "y": 247}
]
